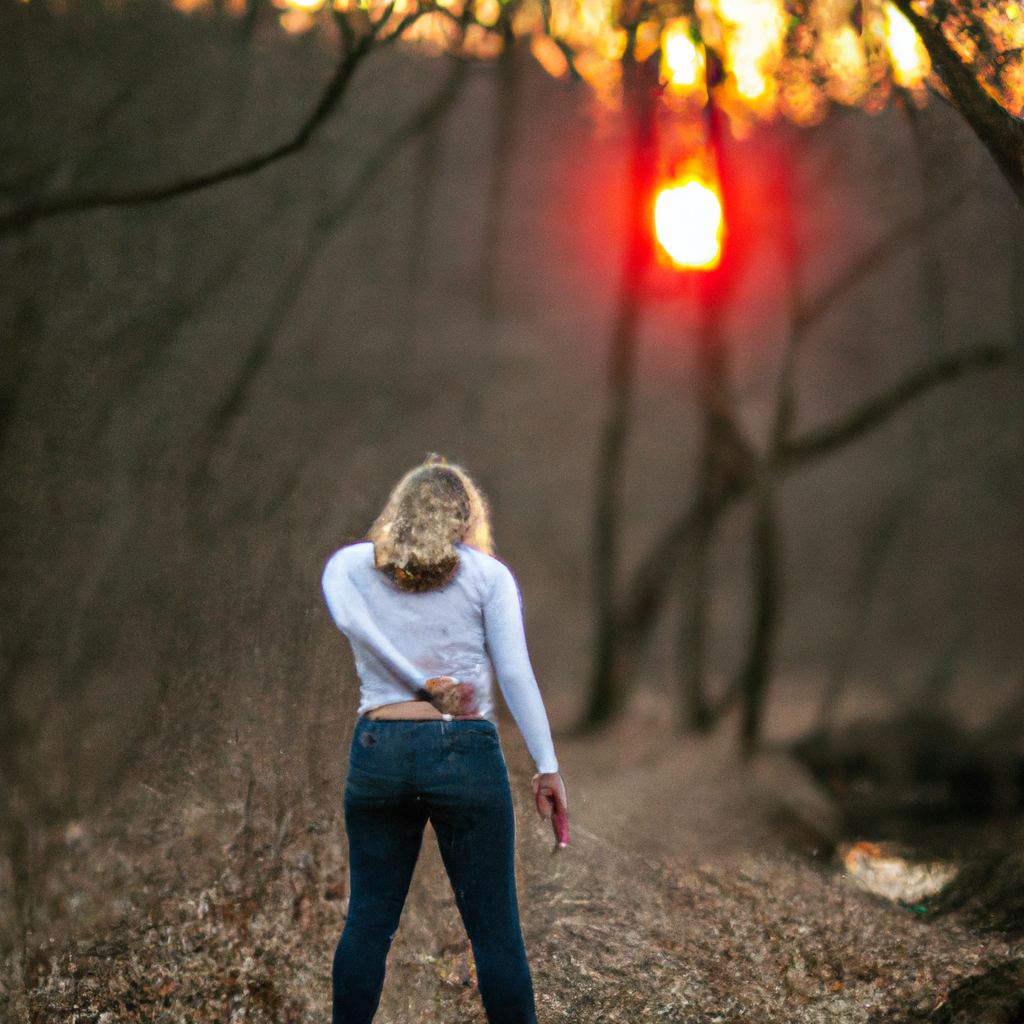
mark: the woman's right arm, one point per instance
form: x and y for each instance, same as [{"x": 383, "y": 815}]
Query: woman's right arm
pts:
[{"x": 349, "y": 610}]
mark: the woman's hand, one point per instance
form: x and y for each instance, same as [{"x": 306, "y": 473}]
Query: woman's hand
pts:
[{"x": 549, "y": 792}]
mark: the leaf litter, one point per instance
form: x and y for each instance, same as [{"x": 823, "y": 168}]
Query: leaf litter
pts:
[{"x": 183, "y": 909}]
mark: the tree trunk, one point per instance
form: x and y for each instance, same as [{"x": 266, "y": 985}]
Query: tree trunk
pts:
[
  {"x": 606, "y": 691},
  {"x": 1001, "y": 133},
  {"x": 755, "y": 676},
  {"x": 691, "y": 643},
  {"x": 505, "y": 106}
]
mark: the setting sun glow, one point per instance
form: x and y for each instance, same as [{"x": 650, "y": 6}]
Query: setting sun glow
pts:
[{"x": 688, "y": 223}]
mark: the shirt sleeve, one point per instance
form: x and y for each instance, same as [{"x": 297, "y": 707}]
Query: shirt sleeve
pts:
[
  {"x": 351, "y": 615},
  {"x": 506, "y": 644}
]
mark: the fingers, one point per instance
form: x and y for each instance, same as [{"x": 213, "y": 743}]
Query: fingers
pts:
[
  {"x": 555, "y": 791},
  {"x": 558, "y": 798},
  {"x": 549, "y": 793},
  {"x": 561, "y": 824},
  {"x": 545, "y": 806},
  {"x": 540, "y": 796}
]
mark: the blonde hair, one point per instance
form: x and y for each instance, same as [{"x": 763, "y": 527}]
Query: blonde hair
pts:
[{"x": 433, "y": 508}]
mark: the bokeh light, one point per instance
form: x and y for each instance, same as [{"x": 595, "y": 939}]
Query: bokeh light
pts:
[
  {"x": 907, "y": 52},
  {"x": 688, "y": 223},
  {"x": 683, "y": 61}
]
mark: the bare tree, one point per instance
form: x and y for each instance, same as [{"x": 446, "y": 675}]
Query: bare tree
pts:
[
  {"x": 606, "y": 691},
  {"x": 730, "y": 469}
]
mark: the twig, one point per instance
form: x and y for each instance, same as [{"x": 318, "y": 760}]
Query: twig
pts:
[
  {"x": 353, "y": 52},
  {"x": 807, "y": 315},
  {"x": 234, "y": 402},
  {"x": 876, "y": 411},
  {"x": 423, "y": 119}
]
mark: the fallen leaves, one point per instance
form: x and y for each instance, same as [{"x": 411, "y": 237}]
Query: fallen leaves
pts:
[
  {"x": 884, "y": 873},
  {"x": 611, "y": 937}
]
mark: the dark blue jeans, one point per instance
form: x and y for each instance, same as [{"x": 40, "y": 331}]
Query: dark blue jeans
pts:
[{"x": 402, "y": 774}]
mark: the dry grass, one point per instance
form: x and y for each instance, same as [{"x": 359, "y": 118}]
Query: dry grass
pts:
[{"x": 176, "y": 907}]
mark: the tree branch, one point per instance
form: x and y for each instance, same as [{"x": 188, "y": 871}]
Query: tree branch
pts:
[
  {"x": 1001, "y": 133},
  {"x": 637, "y": 612},
  {"x": 422, "y": 120},
  {"x": 234, "y": 401},
  {"x": 876, "y": 411},
  {"x": 605, "y": 692},
  {"x": 506, "y": 102},
  {"x": 806, "y": 316},
  {"x": 354, "y": 51},
  {"x": 652, "y": 580},
  {"x": 654, "y": 576}
]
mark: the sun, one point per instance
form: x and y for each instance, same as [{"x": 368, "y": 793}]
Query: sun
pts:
[{"x": 688, "y": 223}]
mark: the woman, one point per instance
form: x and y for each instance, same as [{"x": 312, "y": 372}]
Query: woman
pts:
[{"x": 428, "y": 610}]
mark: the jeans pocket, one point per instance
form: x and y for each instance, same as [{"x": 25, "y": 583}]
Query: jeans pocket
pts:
[{"x": 371, "y": 756}]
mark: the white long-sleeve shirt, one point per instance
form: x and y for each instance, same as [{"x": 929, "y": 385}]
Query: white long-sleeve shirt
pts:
[{"x": 470, "y": 629}]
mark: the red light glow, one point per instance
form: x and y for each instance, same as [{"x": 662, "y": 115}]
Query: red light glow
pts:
[{"x": 688, "y": 223}]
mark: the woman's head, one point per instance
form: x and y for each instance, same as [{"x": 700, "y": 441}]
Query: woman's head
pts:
[{"x": 433, "y": 508}]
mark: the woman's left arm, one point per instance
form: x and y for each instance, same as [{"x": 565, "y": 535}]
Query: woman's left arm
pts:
[{"x": 506, "y": 644}]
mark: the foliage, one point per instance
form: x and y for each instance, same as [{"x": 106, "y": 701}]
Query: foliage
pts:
[
  {"x": 755, "y": 59},
  {"x": 758, "y": 58}
]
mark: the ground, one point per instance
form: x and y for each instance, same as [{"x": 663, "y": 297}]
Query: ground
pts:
[{"x": 696, "y": 888}]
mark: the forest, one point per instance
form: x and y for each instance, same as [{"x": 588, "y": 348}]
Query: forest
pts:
[{"x": 763, "y": 503}]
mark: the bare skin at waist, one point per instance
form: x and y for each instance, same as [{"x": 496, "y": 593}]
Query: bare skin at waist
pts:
[{"x": 405, "y": 711}]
